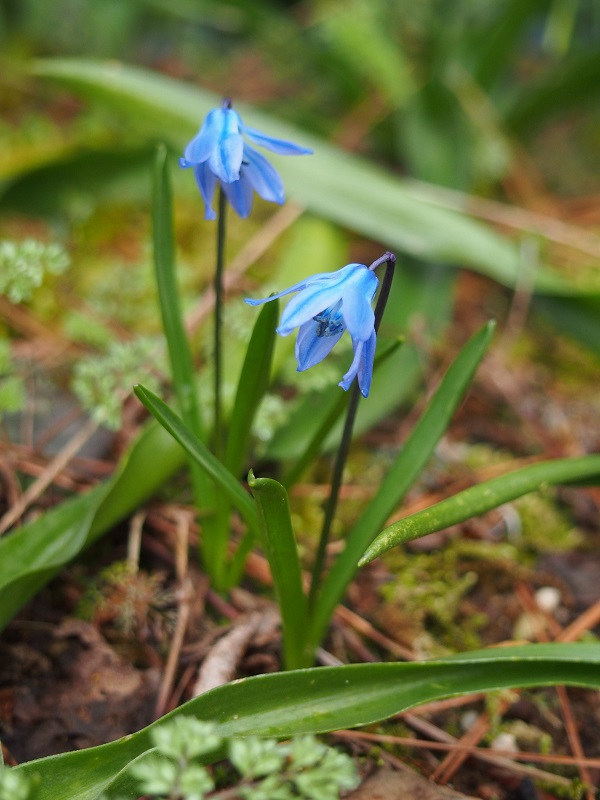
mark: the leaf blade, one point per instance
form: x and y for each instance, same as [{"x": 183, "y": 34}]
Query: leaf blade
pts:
[
  {"x": 252, "y": 385},
  {"x": 333, "y": 184},
  {"x": 411, "y": 460},
  {"x": 200, "y": 453},
  {"x": 282, "y": 553},
  {"x": 324, "y": 699},
  {"x": 33, "y": 554},
  {"x": 483, "y": 497}
]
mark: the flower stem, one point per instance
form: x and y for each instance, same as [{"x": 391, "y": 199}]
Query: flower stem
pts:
[
  {"x": 218, "y": 353},
  {"x": 346, "y": 440}
]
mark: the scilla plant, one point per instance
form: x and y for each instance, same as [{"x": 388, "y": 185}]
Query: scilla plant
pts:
[
  {"x": 324, "y": 306},
  {"x": 300, "y": 700}
]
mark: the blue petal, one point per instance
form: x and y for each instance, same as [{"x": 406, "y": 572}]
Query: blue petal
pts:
[
  {"x": 239, "y": 193},
  {"x": 365, "y": 367},
  {"x": 297, "y": 287},
  {"x": 317, "y": 296},
  {"x": 280, "y": 146},
  {"x": 205, "y": 141},
  {"x": 206, "y": 183},
  {"x": 357, "y": 311},
  {"x": 226, "y": 159},
  {"x": 310, "y": 348},
  {"x": 362, "y": 365},
  {"x": 263, "y": 176}
]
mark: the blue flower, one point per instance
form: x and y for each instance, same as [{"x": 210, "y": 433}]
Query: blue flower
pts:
[
  {"x": 219, "y": 153},
  {"x": 327, "y": 304}
]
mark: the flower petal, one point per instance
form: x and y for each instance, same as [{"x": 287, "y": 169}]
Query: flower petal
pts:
[
  {"x": 357, "y": 311},
  {"x": 226, "y": 158},
  {"x": 311, "y": 348},
  {"x": 297, "y": 287},
  {"x": 262, "y": 175},
  {"x": 206, "y": 183},
  {"x": 365, "y": 367},
  {"x": 321, "y": 292},
  {"x": 280, "y": 146},
  {"x": 205, "y": 141},
  {"x": 362, "y": 365},
  {"x": 239, "y": 193}
]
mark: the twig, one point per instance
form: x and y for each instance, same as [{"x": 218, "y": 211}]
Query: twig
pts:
[
  {"x": 46, "y": 478},
  {"x": 448, "y": 767},
  {"x": 585, "y": 622},
  {"x": 478, "y": 752},
  {"x": 134, "y": 541},
  {"x": 184, "y": 596}
]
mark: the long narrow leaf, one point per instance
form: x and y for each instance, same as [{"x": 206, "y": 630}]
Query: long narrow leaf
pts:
[
  {"x": 556, "y": 91},
  {"x": 331, "y": 183},
  {"x": 483, "y": 497},
  {"x": 33, "y": 554},
  {"x": 252, "y": 385},
  {"x": 198, "y": 451},
  {"x": 410, "y": 462},
  {"x": 282, "y": 553},
  {"x": 214, "y": 540},
  {"x": 180, "y": 357},
  {"x": 326, "y": 699}
]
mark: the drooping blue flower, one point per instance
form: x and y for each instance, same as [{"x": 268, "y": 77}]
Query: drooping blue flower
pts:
[
  {"x": 219, "y": 153},
  {"x": 325, "y": 306}
]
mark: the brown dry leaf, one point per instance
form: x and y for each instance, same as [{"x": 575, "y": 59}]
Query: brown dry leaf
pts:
[
  {"x": 83, "y": 694},
  {"x": 389, "y": 784},
  {"x": 220, "y": 664}
]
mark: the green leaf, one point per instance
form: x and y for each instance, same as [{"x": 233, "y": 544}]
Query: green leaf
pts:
[
  {"x": 556, "y": 91},
  {"x": 214, "y": 540},
  {"x": 33, "y": 554},
  {"x": 326, "y": 699},
  {"x": 577, "y": 316},
  {"x": 252, "y": 385},
  {"x": 182, "y": 366},
  {"x": 360, "y": 39},
  {"x": 483, "y": 497},
  {"x": 336, "y": 185},
  {"x": 408, "y": 466},
  {"x": 200, "y": 453},
  {"x": 492, "y": 50},
  {"x": 110, "y": 173},
  {"x": 282, "y": 554}
]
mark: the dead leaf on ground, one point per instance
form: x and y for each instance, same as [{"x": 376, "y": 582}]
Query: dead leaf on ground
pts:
[{"x": 389, "y": 784}]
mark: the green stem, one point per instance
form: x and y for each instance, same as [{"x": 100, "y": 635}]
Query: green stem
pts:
[
  {"x": 218, "y": 350},
  {"x": 346, "y": 440}
]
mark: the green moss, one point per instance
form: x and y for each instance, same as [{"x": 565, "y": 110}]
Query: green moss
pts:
[{"x": 426, "y": 591}]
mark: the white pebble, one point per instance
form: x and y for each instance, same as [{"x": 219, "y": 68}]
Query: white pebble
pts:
[
  {"x": 506, "y": 742},
  {"x": 548, "y": 599},
  {"x": 468, "y": 719}
]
